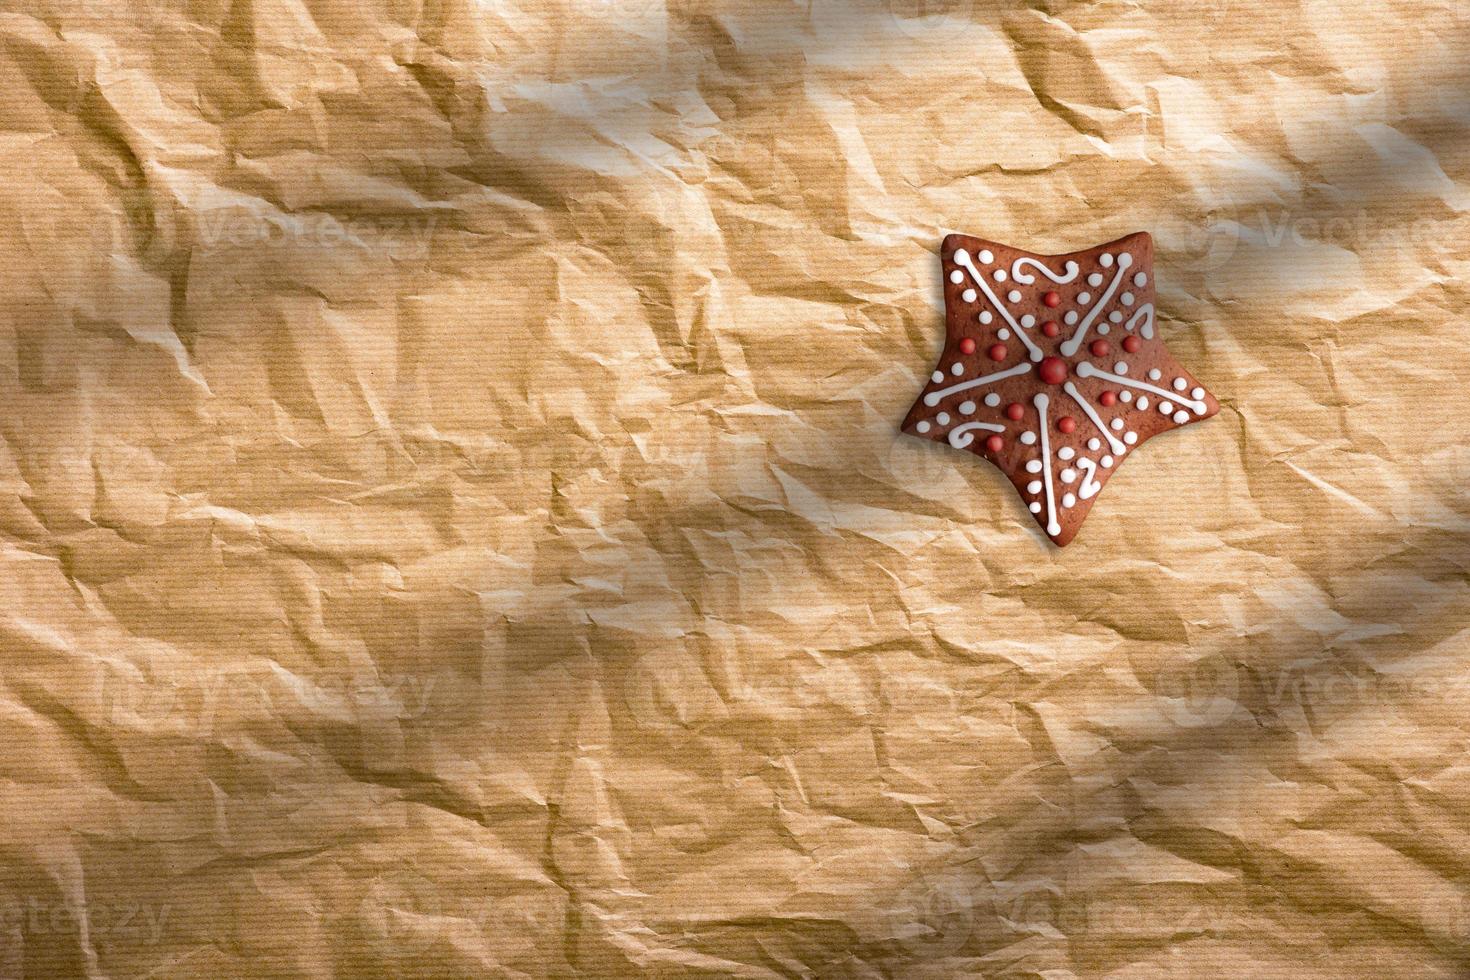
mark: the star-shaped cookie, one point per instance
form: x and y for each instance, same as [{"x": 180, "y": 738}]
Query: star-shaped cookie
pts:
[{"x": 1053, "y": 370}]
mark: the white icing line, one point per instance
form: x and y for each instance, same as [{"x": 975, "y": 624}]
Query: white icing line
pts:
[
  {"x": 933, "y": 397},
  {"x": 1069, "y": 347},
  {"x": 963, "y": 258},
  {"x": 1026, "y": 280},
  {"x": 1071, "y": 389},
  {"x": 1090, "y": 486},
  {"x": 960, "y": 436},
  {"x": 1148, "y": 328},
  {"x": 1086, "y": 370},
  {"x": 1052, "y": 527}
]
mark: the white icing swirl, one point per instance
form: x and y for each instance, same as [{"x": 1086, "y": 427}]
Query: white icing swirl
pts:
[
  {"x": 961, "y": 436},
  {"x": 1026, "y": 280}
]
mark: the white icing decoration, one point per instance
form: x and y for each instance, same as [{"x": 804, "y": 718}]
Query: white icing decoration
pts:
[
  {"x": 986, "y": 256},
  {"x": 1140, "y": 280},
  {"x": 969, "y": 295},
  {"x": 1028, "y": 438},
  {"x": 1034, "y": 466},
  {"x": 956, "y": 369},
  {"x": 960, "y": 256},
  {"x": 985, "y": 316},
  {"x": 1094, "y": 444},
  {"x": 942, "y": 418},
  {"x": 1026, "y": 279},
  {"x": 1146, "y": 314},
  {"x": 1066, "y": 453},
  {"x": 1071, "y": 317},
  {"x": 1014, "y": 296},
  {"x": 1035, "y": 507},
  {"x": 1068, "y": 475},
  {"x": 1198, "y": 393},
  {"x": 1143, "y": 402},
  {"x": 1086, "y": 370},
  {"x": 1107, "y": 462},
  {"x": 1115, "y": 317},
  {"x": 922, "y": 427},
  {"x": 1095, "y": 280},
  {"x": 992, "y": 399},
  {"x": 1181, "y": 417},
  {"x": 1069, "y": 347},
  {"x": 1041, "y": 401},
  {"x": 1128, "y": 299},
  {"x": 1103, "y": 328},
  {"x": 1034, "y": 486},
  {"x": 1084, "y": 298},
  {"x": 1002, "y": 334},
  {"x": 1166, "y": 407},
  {"x": 937, "y": 376},
  {"x": 962, "y": 435},
  {"x": 1117, "y": 425},
  {"x": 1155, "y": 375},
  {"x": 956, "y": 277},
  {"x": 1070, "y": 500},
  {"x": 1028, "y": 321},
  {"x": 1092, "y": 415},
  {"x": 1004, "y": 313},
  {"x": 1090, "y": 486},
  {"x": 933, "y": 397},
  {"x": 1180, "y": 384},
  {"x": 1127, "y": 396},
  {"x": 1106, "y": 260},
  {"x": 967, "y": 408},
  {"x": 999, "y": 275},
  {"x": 1121, "y": 367},
  {"x": 1130, "y": 437}
]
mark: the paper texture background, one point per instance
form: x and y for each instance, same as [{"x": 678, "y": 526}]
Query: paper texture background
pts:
[{"x": 455, "y": 524}]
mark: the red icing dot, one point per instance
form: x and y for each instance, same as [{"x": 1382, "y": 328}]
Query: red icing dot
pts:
[
  {"x": 1014, "y": 411},
  {"x": 967, "y": 346},
  {"x": 1067, "y": 424},
  {"x": 1052, "y": 300},
  {"x": 1108, "y": 398},
  {"x": 1050, "y": 328},
  {"x": 997, "y": 352},
  {"x": 1053, "y": 370},
  {"x": 1099, "y": 348},
  {"x": 995, "y": 444},
  {"x": 1132, "y": 344}
]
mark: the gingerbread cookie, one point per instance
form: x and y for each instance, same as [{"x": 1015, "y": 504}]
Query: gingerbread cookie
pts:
[{"x": 1053, "y": 370}]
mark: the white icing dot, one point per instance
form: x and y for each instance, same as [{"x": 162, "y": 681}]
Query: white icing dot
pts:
[
  {"x": 1116, "y": 425},
  {"x": 1071, "y": 317},
  {"x": 1034, "y": 466},
  {"x": 1070, "y": 500},
  {"x": 1143, "y": 402},
  {"x": 1107, "y": 462},
  {"x": 1084, "y": 297},
  {"x": 1035, "y": 507},
  {"x": 961, "y": 256},
  {"x": 1066, "y": 453},
  {"x": 1130, "y": 437},
  {"x": 1014, "y": 296},
  {"x": 1166, "y": 408},
  {"x": 1140, "y": 280},
  {"x": 968, "y": 295},
  {"x": 1103, "y": 329},
  {"x": 1094, "y": 444},
  {"x": 1068, "y": 475},
  {"x": 1155, "y": 374},
  {"x": 967, "y": 408},
  {"x": 922, "y": 426},
  {"x": 1197, "y": 394},
  {"x": 986, "y": 256},
  {"x": 999, "y": 275},
  {"x": 1003, "y": 334},
  {"x": 1115, "y": 317},
  {"x": 985, "y": 316},
  {"x": 1093, "y": 280},
  {"x": 992, "y": 399},
  {"x": 1127, "y": 299},
  {"x": 1034, "y": 486},
  {"x": 1028, "y": 321},
  {"x": 957, "y": 369},
  {"x": 1028, "y": 438},
  {"x": 955, "y": 277},
  {"x": 1053, "y": 529},
  {"x": 1106, "y": 260},
  {"x": 1127, "y": 396},
  {"x": 942, "y": 418},
  {"x": 937, "y": 376},
  {"x": 1180, "y": 384},
  {"x": 1181, "y": 417},
  {"x": 1120, "y": 368}
]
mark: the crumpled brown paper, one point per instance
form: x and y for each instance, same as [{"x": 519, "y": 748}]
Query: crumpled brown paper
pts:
[{"x": 455, "y": 524}]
